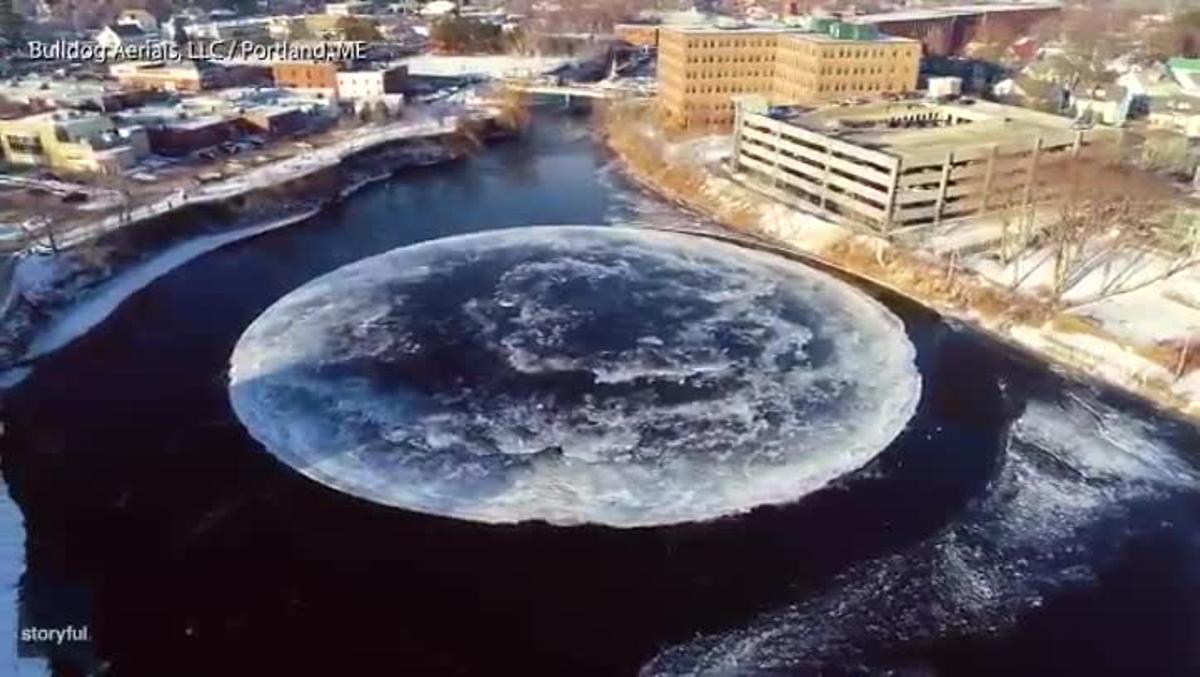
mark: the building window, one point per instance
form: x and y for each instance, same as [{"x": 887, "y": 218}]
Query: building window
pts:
[{"x": 28, "y": 145}]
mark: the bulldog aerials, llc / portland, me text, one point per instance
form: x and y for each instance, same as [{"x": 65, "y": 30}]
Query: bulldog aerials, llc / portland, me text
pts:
[{"x": 226, "y": 50}]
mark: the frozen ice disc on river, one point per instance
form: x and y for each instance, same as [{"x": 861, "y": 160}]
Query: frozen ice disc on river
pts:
[{"x": 575, "y": 374}]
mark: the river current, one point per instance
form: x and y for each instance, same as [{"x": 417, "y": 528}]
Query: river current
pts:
[{"x": 1020, "y": 522}]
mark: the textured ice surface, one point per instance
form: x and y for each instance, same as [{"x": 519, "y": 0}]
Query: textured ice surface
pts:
[
  {"x": 574, "y": 374},
  {"x": 1073, "y": 470}
]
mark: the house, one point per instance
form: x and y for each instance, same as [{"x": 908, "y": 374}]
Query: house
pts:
[
  {"x": 1178, "y": 113},
  {"x": 140, "y": 18},
  {"x": 247, "y": 28},
  {"x": 119, "y": 36},
  {"x": 438, "y": 8},
  {"x": 73, "y": 142},
  {"x": 1149, "y": 81},
  {"x": 176, "y": 27},
  {"x": 1186, "y": 73},
  {"x": 1109, "y": 105},
  {"x": 403, "y": 7},
  {"x": 348, "y": 8},
  {"x": 1025, "y": 49}
]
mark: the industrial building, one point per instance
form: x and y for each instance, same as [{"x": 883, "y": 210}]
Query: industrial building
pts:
[
  {"x": 73, "y": 142},
  {"x": 901, "y": 165},
  {"x": 701, "y": 68},
  {"x": 187, "y": 76}
]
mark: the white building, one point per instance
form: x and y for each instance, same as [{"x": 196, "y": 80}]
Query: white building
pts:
[
  {"x": 438, "y": 8},
  {"x": 140, "y": 18},
  {"x": 348, "y": 8},
  {"x": 122, "y": 35},
  {"x": 1178, "y": 114},
  {"x": 249, "y": 28},
  {"x": 944, "y": 86},
  {"x": 370, "y": 84},
  {"x": 372, "y": 89}
]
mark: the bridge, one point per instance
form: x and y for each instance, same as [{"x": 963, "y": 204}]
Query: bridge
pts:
[{"x": 607, "y": 89}]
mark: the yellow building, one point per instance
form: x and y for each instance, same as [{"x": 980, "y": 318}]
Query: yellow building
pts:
[
  {"x": 71, "y": 142},
  {"x": 701, "y": 68}
]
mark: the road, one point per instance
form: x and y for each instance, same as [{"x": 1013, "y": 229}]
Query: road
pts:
[{"x": 269, "y": 175}]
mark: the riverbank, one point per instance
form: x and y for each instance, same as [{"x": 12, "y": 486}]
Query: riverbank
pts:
[
  {"x": 55, "y": 298},
  {"x": 281, "y": 172},
  {"x": 1068, "y": 341}
]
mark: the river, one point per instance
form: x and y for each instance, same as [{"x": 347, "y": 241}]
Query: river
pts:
[{"x": 1022, "y": 522}]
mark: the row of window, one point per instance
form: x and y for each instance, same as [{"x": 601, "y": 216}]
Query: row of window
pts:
[
  {"x": 718, "y": 75},
  {"x": 739, "y": 58},
  {"x": 859, "y": 86},
  {"x": 857, "y": 71},
  {"x": 695, "y": 43},
  {"x": 876, "y": 53},
  {"x": 722, "y": 89},
  {"x": 726, "y": 105},
  {"x": 27, "y": 145}
]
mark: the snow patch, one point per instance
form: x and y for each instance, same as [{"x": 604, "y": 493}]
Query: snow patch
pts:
[{"x": 103, "y": 300}]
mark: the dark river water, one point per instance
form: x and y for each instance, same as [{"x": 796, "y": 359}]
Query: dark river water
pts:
[{"x": 1022, "y": 524}]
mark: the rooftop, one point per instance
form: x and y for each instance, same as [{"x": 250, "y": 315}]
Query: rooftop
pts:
[
  {"x": 128, "y": 30},
  {"x": 878, "y": 125},
  {"x": 831, "y": 33},
  {"x": 69, "y": 91},
  {"x": 174, "y": 117}
]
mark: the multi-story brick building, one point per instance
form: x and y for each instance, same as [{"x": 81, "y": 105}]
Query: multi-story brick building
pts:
[
  {"x": 305, "y": 75},
  {"x": 701, "y": 68},
  {"x": 638, "y": 35},
  {"x": 186, "y": 75}
]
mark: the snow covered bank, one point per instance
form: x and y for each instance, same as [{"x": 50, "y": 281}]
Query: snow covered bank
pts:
[
  {"x": 1130, "y": 325},
  {"x": 12, "y": 559},
  {"x": 275, "y": 173},
  {"x": 103, "y": 300}
]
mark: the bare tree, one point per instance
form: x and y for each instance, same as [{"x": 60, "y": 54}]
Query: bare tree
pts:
[
  {"x": 1166, "y": 151},
  {"x": 514, "y": 109},
  {"x": 1114, "y": 227}
]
